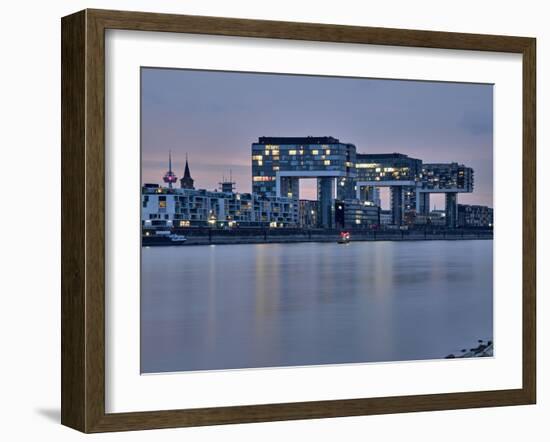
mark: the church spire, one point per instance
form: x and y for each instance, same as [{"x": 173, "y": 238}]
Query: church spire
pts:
[
  {"x": 187, "y": 173},
  {"x": 186, "y": 181}
]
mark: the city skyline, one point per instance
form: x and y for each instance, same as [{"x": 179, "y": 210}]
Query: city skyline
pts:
[{"x": 213, "y": 117}]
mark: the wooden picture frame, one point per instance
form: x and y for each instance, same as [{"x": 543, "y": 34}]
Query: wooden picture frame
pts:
[{"x": 83, "y": 220}]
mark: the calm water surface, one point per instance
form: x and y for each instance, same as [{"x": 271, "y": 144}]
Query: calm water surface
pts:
[{"x": 266, "y": 305}]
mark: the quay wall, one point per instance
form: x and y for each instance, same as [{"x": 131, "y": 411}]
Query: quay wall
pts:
[{"x": 258, "y": 236}]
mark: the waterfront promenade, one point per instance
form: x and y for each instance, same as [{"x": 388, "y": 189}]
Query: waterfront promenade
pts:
[{"x": 206, "y": 236}]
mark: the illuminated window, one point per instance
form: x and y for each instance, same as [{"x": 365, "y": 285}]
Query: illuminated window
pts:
[
  {"x": 185, "y": 223},
  {"x": 275, "y": 167},
  {"x": 292, "y": 152},
  {"x": 327, "y": 152},
  {"x": 266, "y": 152},
  {"x": 260, "y": 163},
  {"x": 257, "y": 157},
  {"x": 162, "y": 204},
  {"x": 326, "y": 162},
  {"x": 315, "y": 152}
]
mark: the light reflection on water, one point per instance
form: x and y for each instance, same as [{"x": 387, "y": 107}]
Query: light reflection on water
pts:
[{"x": 266, "y": 305}]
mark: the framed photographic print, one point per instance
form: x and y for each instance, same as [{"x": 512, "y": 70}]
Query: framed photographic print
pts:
[{"x": 270, "y": 220}]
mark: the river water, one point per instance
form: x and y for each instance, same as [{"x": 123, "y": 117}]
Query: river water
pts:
[{"x": 273, "y": 305}]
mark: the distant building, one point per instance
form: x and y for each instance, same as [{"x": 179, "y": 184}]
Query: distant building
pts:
[
  {"x": 421, "y": 219},
  {"x": 227, "y": 186},
  {"x": 475, "y": 216},
  {"x": 386, "y": 217},
  {"x": 353, "y": 213},
  {"x": 165, "y": 207},
  {"x": 437, "y": 217},
  {"x": 410, "y": 217},
  {"x": 308, "y": 213}
]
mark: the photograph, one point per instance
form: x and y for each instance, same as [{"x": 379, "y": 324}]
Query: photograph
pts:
[{"x": 304, "y": 220}]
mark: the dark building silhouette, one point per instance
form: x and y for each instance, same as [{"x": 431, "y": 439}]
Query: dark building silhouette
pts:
[
  {"x": 186, "y": 182},
  {"x": 228, "y": 186}
]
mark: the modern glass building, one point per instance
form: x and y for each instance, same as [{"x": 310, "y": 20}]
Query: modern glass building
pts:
[
  {"x": 278, "y": 164},
  {"x": 397, "y": 171}
]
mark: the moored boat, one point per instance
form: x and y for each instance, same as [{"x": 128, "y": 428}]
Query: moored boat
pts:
[
  {"x": 177, "y": 238},
  {"x": 344, "y": 238}
]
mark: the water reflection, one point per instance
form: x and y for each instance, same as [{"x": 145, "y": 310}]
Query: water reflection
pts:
[{"x": 265, "y": 305}]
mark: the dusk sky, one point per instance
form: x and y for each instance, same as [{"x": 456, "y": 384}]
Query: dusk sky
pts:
[{"x": 214, "y": 117}]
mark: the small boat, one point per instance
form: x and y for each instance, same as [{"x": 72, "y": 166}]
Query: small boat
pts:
[
  {"x": 177, "y": 238},
  {"x": 344, "y": 238}
]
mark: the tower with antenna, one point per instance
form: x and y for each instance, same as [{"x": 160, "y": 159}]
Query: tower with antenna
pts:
[
  {"x": 228, "y": 186},
  {"x": 186, "y": 181},
  {"x": 170, "y": 177}
]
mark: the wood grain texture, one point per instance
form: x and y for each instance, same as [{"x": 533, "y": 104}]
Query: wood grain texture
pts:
[
  {"x": 83, "y": 220},
  {"x": 73, "y": 253},
  {"x": 529, "y": 220}
]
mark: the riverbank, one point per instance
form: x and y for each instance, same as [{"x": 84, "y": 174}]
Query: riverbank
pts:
[
  {"x": 484, "y": 349},
  {"x": 259, "y": 236}
]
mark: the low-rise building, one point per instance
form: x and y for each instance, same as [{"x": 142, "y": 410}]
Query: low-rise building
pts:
[
  {"x": 353, "y": 213},
  {"x": 437, "y": 217},
  {"x": 308, "y": 217},
  {"x": 475, "y": 216},
  {"x": 386, "y": 217},
  {"x": 165, "y": 207}
]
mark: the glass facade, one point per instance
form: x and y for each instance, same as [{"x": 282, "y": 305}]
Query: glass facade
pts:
[
  {"x": 451, "y": 177},
  {"x": 278, "y": 163}
]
